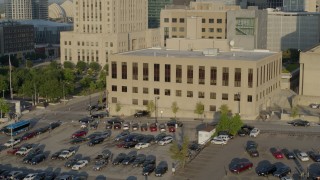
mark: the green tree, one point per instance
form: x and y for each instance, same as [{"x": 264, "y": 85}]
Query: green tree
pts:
[
  {"x": 235, "y": 124},
  {"x": 174, "y": 108},
  {"x": 68, "y": 65},
  {"x": 294, "y": 112},
  {"x": 224, "y": 109},
  {"x": 29, "y": 64},
  {"x": 69, "y": 75},
  {"x": 199, "y": 109},
  {"x": 106, "y": 69},
  {"x": 85, "y": 82},
  {"x": 4, "y": 84},
  {"x": 95, "y": 67},
  {"x": 180, "y": 152},
  {"x": 81, "y": 66},
  {"x": 54, "y": 65},
  {"x": 150, "y": 107},
  {"x": 4, "y": 107},
  {"x": 232, "y": 124},
  {"x": 118, "y": 107}
]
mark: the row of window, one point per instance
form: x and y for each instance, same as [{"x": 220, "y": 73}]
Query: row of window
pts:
[{"x": 182, "y": 20}]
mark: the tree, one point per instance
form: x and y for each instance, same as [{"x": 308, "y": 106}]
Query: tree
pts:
[
  {"x": 85, "y": 82},
  {"x": 199, "y": 109},
  {"x": 69, "y": 75},
  {"x": 180, "y": 152},
  {"x": 294, "y": 112},
  {"x": 81, "y": 66},
  {"x": 150, "y": 106},
  {"x": 235, "y": 124},
  {"x": 4, "y": 85},
  {"x": 118, "y": 107},
  {"x": 106, "y": 69},
  {"x": 4, "y": 107},
  {"x": 174, "y": 108},
  {"x": 224, "y": 109},
  {"x": 68, "y": 65},
  {"x": 29, "y": 64},
  {"x": 95, "y": 66},
  {"x": 232, "y": 124}
]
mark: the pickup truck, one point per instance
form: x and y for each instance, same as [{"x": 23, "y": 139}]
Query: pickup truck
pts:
[
  {"x": 24, "y": 150},
  {"x": 66, "y": 154}
]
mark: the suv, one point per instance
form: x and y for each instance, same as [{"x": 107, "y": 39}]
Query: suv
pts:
[
  {"x": 266, "y": 170},
  {"x": 141, "y": 114}
]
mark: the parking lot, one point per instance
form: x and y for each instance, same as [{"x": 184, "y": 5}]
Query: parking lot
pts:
[{"x": 214, "y": 160}]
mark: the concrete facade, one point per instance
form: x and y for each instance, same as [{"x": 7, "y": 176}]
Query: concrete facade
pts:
[
  {"x": 189, "y": 77},
  {"x": 106, "y": 29},
  {"x": 310, "y": 72}
]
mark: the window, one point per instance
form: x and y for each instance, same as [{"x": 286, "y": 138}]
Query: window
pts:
[
  {"x": 134, "y": 89},
  {"x": 200, "y": 94},
  {"x": 145, "y": 72},
  {"x": 219, "y": 21},
  {"x": 224, "y": 96},
  {"x": 166, "y": 20},
  {"x": 213, "y": 76},
  {"x": 167, "y": 76},
  {"x": 135, "y": 101},
  {"x": 156, "y": 72},
  {"x": 145, "y": 90},
  {"x": 211, "y": 29},
  {"x": 189, "y": 74},
  {"x": 181, "y": 29},
  {"x": 178, "y": 93},
  {"x": 225, "y": 76},
  {"x": 237, "y": 77},
  {"x": 236, "y": 97},
  {"x": 213, "y": 95},
  {"x": 181, "y": 20},
  {"x": 249, "y": 99},
  {"x": 203, "y": 20},
  {"x": 219, "y": 30},
  {"x": 245, "y": 26},
  {"x": 189, "y": 94},
  {"x": 114, "y": 70},
  {"x": 124, "y": 89},
  {"x": 178, "y": 74},
  {"x": 114, "y": 100},
  {"x": 124, "y": 70},
  {"x": 211, "y": 21},
  {"x": 250, "y": 78},
  {"x": 174, "y": 20},
  {"x": 201, "y": 75},
  {"x": 156, "y": 91},
  {"x": 167, "y": 92},
  {"x": 203, "y": 29},
  {"x": 174, "y": 29},
  {"x": 135, "y": 71},
  {"x": 114, "y": 88},
  {"x": 145, "y": 102},
  {"x": 213, "y": 108}
]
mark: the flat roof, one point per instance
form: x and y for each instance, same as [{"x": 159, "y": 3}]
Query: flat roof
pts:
[
  {"x": 233, "y": 55},
  {"x": 39, "y": 23}
]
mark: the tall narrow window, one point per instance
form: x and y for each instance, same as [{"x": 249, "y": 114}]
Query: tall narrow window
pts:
[
  {"x": 167, "y": 73},
  {"x": 250, "y": 78},
  {"x": 178, "y": 74},
  {"x": 124, "y": 70},
  {"x": 114, "y": 70},
  {"x": 213, "y": 76},
  {"x": 237, "y": 77},
  {"x": 201, "y": 75},
  {"x": 145, "y": 72},
  {"x": 156, "y": 72},
  {"x": 190, "y": 75},
  {"x": 257, "y": 77},
  {"x": 135, "y": 71},
  {"x": 225, "y": 76}
]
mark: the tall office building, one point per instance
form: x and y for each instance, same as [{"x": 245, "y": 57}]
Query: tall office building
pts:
[
  {"x": 26, "y": 9},
  {"x": 154, "y": 9},
  {"x": 104, "y": 27}
]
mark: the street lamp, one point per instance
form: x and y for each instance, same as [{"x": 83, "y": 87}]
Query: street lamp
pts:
[
  {"x": 156, "y": 107},
  {"x": 161, "y": 113}
]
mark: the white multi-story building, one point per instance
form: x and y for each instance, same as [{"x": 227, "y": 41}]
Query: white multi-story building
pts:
[{"x": 26, "y": 9}]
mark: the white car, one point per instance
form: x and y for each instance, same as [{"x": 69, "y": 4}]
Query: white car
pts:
[
  {"x": 80, "y": 164},
  {"x": 224, "y": 137},
  {"x": 126, "y": 126},
  {"x": 165, "y": 140},
  {"x": 66, "y": 154},
  {"x": 12, "y": 142},
  {"x": 314, "y": 106},
  {"x": 142, "y": 145},
  {"x": 254, "y": 132},
  {"x": 13, "y": 174},
  {"x": 30, "y": 176},
  {"x": 303, "y": 156},
  {"x": 218, "y": 140},
  {"x": 286, "y": 178},
  {"x": 24, "y": 150}
]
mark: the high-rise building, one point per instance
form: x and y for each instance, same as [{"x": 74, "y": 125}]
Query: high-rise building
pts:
[
  {"x": 154, "y": 9},
  {"x": 105, "y": 27},
  {"x": 26, "y": 9}
]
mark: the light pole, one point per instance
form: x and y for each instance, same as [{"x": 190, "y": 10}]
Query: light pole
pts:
[
  {"x": 161, "y": 113},
  {"x": 156, "y": 107}
]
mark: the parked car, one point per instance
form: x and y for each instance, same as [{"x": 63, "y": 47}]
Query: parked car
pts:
[
  {"x": 314, "y": 106},
  {"x": 225, "y": 133},
  {"x": 128, "y": 159},
  {"x": 142, "y": 145},
  {"x": 148, "y": 139},
  {"x": 126, "y": 126},
  {"x": 161, "y": 169},
  {"x": 40, "y": 176},
  {"x": 165, "y": 140},
  {"x": 149, "y": 160},
  {"x": 252, "y": 144},
  {"x": 159, "y": 137},
  {"x": 241, "y": 166},
  {"x": 38, "y": 159},
  {"x": 115, "y": 120},
  {"x": 302, "y": 156},
  {"x": 288, "y": 154},
  {"x": 141, "y": 114},
  {"x": 20, "y": 176},
  {"x": 13, "y": 174},
  {"x": 153, "y": 127},
  {"x": 28, "y": 135},
  {"x": 266, "y": 169},
  {"x": 86, "y": 120},
  {"x": 147, "y": 170},
  {"x": 29, "y": 157},
  {"x": 135, "y": 127},
  {"x": 282, "y": 171},
  {"x": 138, "y": 138},
  {"x": 139, "y": 160},
  {"x": 67, "y": 154},
  {"x": 117, "y": 126},
  {"x": 173, "y": 122},
  {"x": 13, "y": 150},
  {"x": 99, "y": 115},
  {"x": 100, "y": 164},
  {"x": 12, "y": 142},
  {"x": 162, "y": 127},
  {"x": 276, "y": 153},
  {"x": 194, "y": 146},
  {"x": 218, "y": 140},
  {"x": 254, "y": 132},
  {"x": 119, "y": 159},
  {"x": 243, "y": 132},
  {"x": 299, "y": 122},
  {"x": 80, "y": 133},
  {"x": 93, "y": 135},
  {"x": 144, "y": 127},
  {"x": 71, "y": 162},
  {"x": 80, "y": 164},
  {"x": 130, "y": 144},
  {"x": 78, "y": 140},
  {"x": 24, "y": 150},
  {"x": 97, "y": 140},
  {"x": 131, "y": 137},
  {"x": 314, "y": 156},
  {"x": 172, "y": 129},
  {"x": 94, "y": 125},
  {"x": 108, "y": 126},
  {"x": 56, "y": 154},
  {"x": 50, "y": 176},
  {"x": 55, "y": 125},
  {"x": 123, "y": 135},
  {"x": 30, "y": 176}
]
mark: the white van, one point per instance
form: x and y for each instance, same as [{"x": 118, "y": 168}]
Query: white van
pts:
[{"x": 224, "y": 137}]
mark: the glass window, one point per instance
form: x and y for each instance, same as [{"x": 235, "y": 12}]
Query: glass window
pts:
[
  {"x": 201, "y": 75},
  {"x": 114, "y": 70},
  {"x": 236, "y": 97},
  {"x": 181, "y": 20},
  {"x": 156, "y": 91},
  {"x": 114, "y": 100},
  {"x": 211, "y": 29},
  {"x": 167, "y": 76},
  {"x": 213, "y": 95},
  {"x": 189, "y": 94},
  {"x": 145, "y": 102},
  {"x": 245, "y": 26},
  {"x": 174, "y": 20},
  {"x": 237, "y": 77},
  {"x": 167, "y": 92},
  {"x": 213, "y": 108},
  {"x": 225, "y": 76},
  {"x": 166, "y": 20},
  {"x": 145, "y": 72},
  {"x": 225, "y": 96},
  {"x": 145, "y": 90},
  {"x": 124, "y": 70},
  {"x": 219, "y": 21},
  {"x": 135, "y": 71},
  {"x": 156, "y": 72},
  {"x": 181, "y": 29},
  {"x": 211, "y": 20},
  {"x": 250, "y": 78},
  {"x": 124, "y": 89},
  {"x": 189, "y": 74},
  {"x": 178, "y": 93},
  {"x": 219, "y": 30},
  {"x": 201, "y": 94},
  {"x": 249, "y": 99},
  {"x": 213, "y": 75},
  {"x": 134, "y": 89},
  {"x": 203, "y": 29},
  {"x": 174, "y": 29},
  {"x": 203, "y": 20},
  {"x": 135, "y": 101},
  {"x": 114, "y": 88},
  {"x": 178, "y": 74}
]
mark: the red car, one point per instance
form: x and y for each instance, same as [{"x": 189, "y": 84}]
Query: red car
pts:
[
  {"x": 13, "y": 150},
  {"x": 117, "y": 126},
  {"x": 241, "y": 166},
  {"x": 277, "y": 153},
  {"x": 80, "y": 133},
  {"x": 153, "y": 127},
  {"x": 28, "y": 135},
  {"x": 172, "y": 129},
  {"x": 120, "y": 145}
]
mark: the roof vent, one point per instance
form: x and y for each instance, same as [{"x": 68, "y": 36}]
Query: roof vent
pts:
[{"x": 210, "y": 52}]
